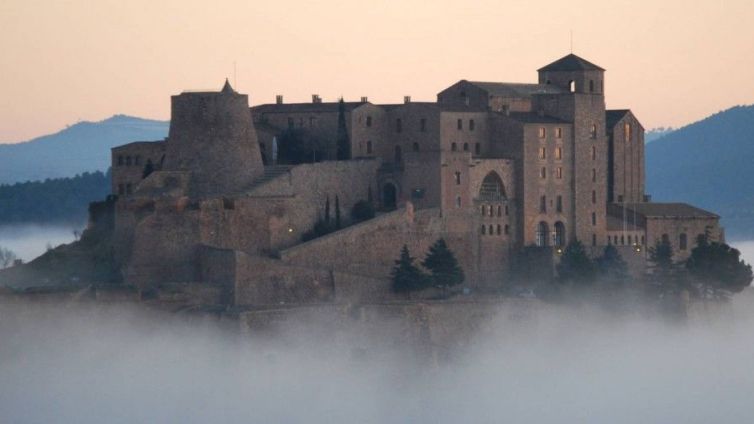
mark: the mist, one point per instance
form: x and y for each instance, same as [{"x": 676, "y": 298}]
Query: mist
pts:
[
  {"x": 28, "y": 241},
  {"x": 127, "y": 364}
]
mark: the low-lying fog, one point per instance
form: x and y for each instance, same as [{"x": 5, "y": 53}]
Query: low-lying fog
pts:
[
  {"x": 109, "y": 364},
  {"x": 28, "y": 241}
]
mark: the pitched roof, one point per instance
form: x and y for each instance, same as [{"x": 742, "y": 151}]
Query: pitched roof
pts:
[
  {"x": 571, "y": 62},
  {"x": 156, "y": 143},
  {"x": 613, "y": 116},
  {"x": 323, "y": 107},
  {"x": 668, "y": 210},
  {"x": 511, "y": 89}
]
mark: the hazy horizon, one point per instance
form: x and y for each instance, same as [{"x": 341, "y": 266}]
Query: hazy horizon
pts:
[{"x": 672, "y": 64}]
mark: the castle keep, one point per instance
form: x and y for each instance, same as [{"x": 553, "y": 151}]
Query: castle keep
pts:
[{"x": 493, "y": 168}]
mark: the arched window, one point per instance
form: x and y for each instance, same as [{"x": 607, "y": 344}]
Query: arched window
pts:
[
  {"x": 682, "y": 241},
  {"x": 593, "y": 131},
  {"x": 484, "y": 229},
  {"x": 492, "y": 210},
  {"x": 453, "y": 147},
  {"x": 491, "y": 232},
  {"x": 499, "y": 229},
  {"x": 398, "y": 154},
  {"x": 465, "y": 147},
  {"x": 492, "y": 187},
  {"x": 507, "y": 229},
  {"x": 543, "y": 231},
  {"x": 572, "y": 86},
  {"x": 499, "y": 210},
  {"x": 369, "y": 147},
  {"x": 484, "y": 210},
  {"x": 559, "y": 234}
]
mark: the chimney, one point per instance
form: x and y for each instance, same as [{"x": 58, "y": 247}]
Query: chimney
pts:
[
  {"x": 406, "y": 99},
  {"x": 364, "y": 99},
  {"x": 279, "y": 99},
  {"x": 316, "y": 98}
]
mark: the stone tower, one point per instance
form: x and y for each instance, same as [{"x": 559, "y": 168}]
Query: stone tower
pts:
[
  {"x": 582, "y": 102},
  {"x": 212, "y": 137}
]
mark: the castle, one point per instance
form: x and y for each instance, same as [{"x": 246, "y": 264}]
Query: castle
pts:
[{"x": 493, "y": 168}]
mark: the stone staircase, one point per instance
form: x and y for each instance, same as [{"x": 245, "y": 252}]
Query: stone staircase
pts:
[{"x": 270, "y": 173}]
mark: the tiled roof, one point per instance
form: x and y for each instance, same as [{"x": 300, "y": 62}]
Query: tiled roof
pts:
[
  {"x": 535, "y": 118},
  {"x": 571, "y": 62},
  {"x": 668, "y": 210},
  {"x": 156, "y": 143},
  {"x": 613, "y": 116}
]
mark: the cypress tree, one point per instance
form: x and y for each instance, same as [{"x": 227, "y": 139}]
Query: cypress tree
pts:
[
  {"x": 718, "y": 266},
  {"x": 406, "y": 276},
  {"x": 443, "y": 265},
  {"x": 575, "y": 265},
  {"x": 327, "y": 211},
  {"x": 343, "y": 144},
  {"x": 337, "y": 212}
]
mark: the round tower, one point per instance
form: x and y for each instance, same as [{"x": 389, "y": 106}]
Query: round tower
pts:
[{"x": 212, "y": 136}]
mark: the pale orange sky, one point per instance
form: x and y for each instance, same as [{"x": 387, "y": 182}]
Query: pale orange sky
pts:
[{"x": 672, "y": 62}]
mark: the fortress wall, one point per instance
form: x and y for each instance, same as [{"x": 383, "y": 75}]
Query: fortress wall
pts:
[
  {"x": 129, "y": 163},
  {"x": 265, "y": 281}
]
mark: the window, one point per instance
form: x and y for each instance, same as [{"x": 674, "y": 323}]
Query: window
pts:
[
  {"x": 593, "y": 131},
  {"x": 543, "y": 231},
  {"x": 491, "y": 233},
  {"x": 572, "y": 86},
  {"x": 620, "y": 198},
  {"x": 543, "y": 204},
  {"x": 499, "y": 210},
  {"x": 642, "y": 239},
  {"x": 465, "y": 147},
  {"x": 492, "y": 187},
  {"x": 290, "y": 123},
  {"x": 622, "y": 240},
  {"x": 369, "y": 147},
  {"x": 423, "y": 125},
  {"x": 591, "y": 86},
  {"x": 627, "y": 132},
  {"x": 458, "y": 178},
  {"x": 558, "y": 132},
  {"x": 458, "y": 201},
  {"x": 460, "y": 124},
  {"x": 369, "y": 121},
  {"x": 559, "y": 234},
  {"x": 506, "y": 210},
  {"x": 543, "y": 173},
  {"x": 542, "y": 132},
  {"x": 484, "y": 210},
  {"x": 558, "y": 153},
  {"x": 415, "y": 147},
  {"x": 559, "y": 173},
  {"x": 492, "y": 210},
  {"x": 594, "y": 152},
  {"x": 559, "y": 203},
  {"x": 594, "y": 197},
  {"x": 542, "y": 153},
  {"x": 682, "y": 241},
  {"x": 128, "y": 160},
  {"x": 453, "y": 147},
  {"x": 507, "y": 229},
  {"x": 629, "y": 239},
  {"x": 594, "y": 175},
  {"x": 594, "y": 239},
  {"x": 499, "y": 229},
  {"x": 398, "y": 125},
  {"x": 120, "y": 160},
  {"x": 594, "y": 219},
  {"x": 484, "y": 229},
  {"x": 477, "y": 149},
  {"x": 471, "y": 125}
]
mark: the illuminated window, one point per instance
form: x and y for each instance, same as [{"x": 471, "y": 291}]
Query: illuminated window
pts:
[
  {"x": 542, "y": 132},
  {"x": 558, "y": 132},
  {"x": 458, "y": 178},
  {"x": 593, "y": 131},
  {"x": 542, "y": 153},
  {"x": 543, "y": 173},
  {"x": 558, "y": 153},
  {"x": 627, "y": 132},
  {"x": 559, "y": 173}
]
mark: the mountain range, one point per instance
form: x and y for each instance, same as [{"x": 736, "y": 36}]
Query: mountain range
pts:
[
  {"x": 706, "y": 163},
  {"x": 82, "y": 147}
]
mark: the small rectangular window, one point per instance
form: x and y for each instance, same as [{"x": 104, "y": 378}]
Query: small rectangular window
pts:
[
  {"x": 460, "y": 124},
  {"x": 458, "y": 178},
  {"x": 543, "y": 173},
  {"x": 477, "y": 149},
  {"x": 471, "y": 125},
  {"x": 558, "y": 153},
  {"x": 559, "y": 204},
  {"x": 369, "y": 121},
  {"x": 594, "y": 197},
  {"x": 558, "y": 132},
  {"x": 542, "y": 132},
  {"x": 594, "y": 218},
  {"x": 542, "y": 153},
  {"x": 594, "y": 175},
  {"x": 543, "y": 204},
  {"x": 559, "y": 173},
  {"x": 120, "y": 160}
]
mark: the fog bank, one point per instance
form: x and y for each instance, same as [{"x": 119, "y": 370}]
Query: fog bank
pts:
[{"x": 112, "y": 364}]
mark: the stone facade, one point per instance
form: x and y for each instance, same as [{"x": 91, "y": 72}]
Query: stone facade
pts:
[{"x": 493, "y": 168}]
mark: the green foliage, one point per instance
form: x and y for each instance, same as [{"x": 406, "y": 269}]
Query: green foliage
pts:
[
  {"x": 406, "y": 276},
  {"x": 342, "y": 141},
  {"x": 443, "y": 265},
  {"x": 718, "y": 266},
  {"x": 60, "y": 200},
  {"x": 362, "y": 211},
  {"x": 575, "y": 265},
  {"x": 663, "y": 271},
  {"x": 611, "y": 267},
  {"x": 7, "y": 257},
  {"x": 298, "y": 145}
]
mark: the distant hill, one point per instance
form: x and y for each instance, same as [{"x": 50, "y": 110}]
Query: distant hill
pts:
[
  {"x": 710, "y": 164},
  {"x": 655, "y": 133},
  {"x": 79, "y": 148},
  {"x": 53, "y": 201}
]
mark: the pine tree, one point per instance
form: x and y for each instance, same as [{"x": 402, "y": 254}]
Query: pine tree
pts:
[
  {"x": 611, "y": 267},
  {"x": 443, "y": 265},
  {"x": 406, "y": 276},
  {"x": 337, "y": 213},
  {"x": 718, "y": 266},
  {"x": 664, "y": 270},
  {"x": 343, "y": 144},
  {"x": 575, "y": 265},
  {"x": 327, "y": 211}
]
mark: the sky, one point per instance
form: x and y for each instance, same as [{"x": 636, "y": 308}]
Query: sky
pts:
[{"x": 671, "y": 61}]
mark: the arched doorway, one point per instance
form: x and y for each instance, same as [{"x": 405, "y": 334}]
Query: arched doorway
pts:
[
  {"x": 559, "y": 234},
  {"x": 492, "y": 188},
  {"x": 543, "y": 231},
  {"x": 389, "y": 196}
]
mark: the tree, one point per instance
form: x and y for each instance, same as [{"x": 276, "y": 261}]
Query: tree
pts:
[
  {"x": 664, "y": 272},
  {"x": 7, "y": 257},
  {"x": 611, "y": 267},
  {"x": 298, "y": 145},
  {"x": 443, "y": 265},
  {"x": 337, "y": 213},
  {"x": 406, "y": 276},
  {"x": 575, "y": 265},
  {"x": 327, "y": 210},
  {"x": 362, "y": 211},
  {"x": 342, "y": 141},
  {"x": 718, "y": 266}
]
